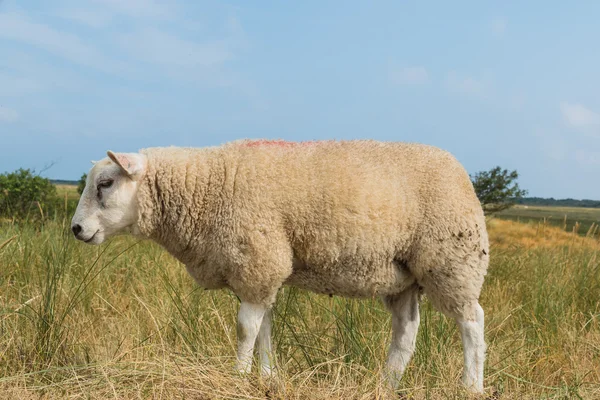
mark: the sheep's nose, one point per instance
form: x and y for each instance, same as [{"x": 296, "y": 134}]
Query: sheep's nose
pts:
[{"x": 76, "y": 229}]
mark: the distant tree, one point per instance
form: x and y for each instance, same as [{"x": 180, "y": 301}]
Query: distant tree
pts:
[
  {"x": 23, "y": 191},
  {"x": 497, "y": 189},
  {"x": 81, "y": 184}
]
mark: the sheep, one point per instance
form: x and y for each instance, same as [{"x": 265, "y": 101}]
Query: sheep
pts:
[{"x": 355, "y": 218}]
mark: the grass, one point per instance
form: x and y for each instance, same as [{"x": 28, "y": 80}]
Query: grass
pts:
[
  {"x": 70, "y": 191},
  {"x": 568, "y": 218},
  {"x": 124, "y": 320}
]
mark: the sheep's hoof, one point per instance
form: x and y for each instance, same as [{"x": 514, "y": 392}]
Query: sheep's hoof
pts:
[
  {"x": 243, "y": 369},
  {"x": 268, "y": 372},
  {"x": 473, "y": 386}
]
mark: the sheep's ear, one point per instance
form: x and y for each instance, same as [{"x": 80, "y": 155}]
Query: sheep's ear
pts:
[
  {"x": 133, "y": 164},
  {"x": 93, "y": 162}
]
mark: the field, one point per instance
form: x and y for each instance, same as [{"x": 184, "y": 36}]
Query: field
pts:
[
  {"x": 568, "y": 218},
  {"x": 68, "y": 191},
  {"x": 125, "y": 321}
]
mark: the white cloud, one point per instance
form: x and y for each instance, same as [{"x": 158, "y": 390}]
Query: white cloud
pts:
[
  {"x": 466, "y": 85},
  {"x": 24, "y": 74},
  {"x": 19, "y": 28},
  {"x": 8, "y": 114},
  {"x": 498, "y": 26},
  {"x": 133, "y": 55},
  {"x": 139, "y": 8},
  {"x": 579, "y": 116},
  {"x": 91, "y": 18},
  {"x": 409, "y": 76},
  {"x": 100, "y": 13},
  {"x": 161, "y": 48}
]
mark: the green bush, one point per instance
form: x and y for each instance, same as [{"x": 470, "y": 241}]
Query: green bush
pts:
[
  {"x": 22, "y": 193},
  {"x": 81, "y": 184}
]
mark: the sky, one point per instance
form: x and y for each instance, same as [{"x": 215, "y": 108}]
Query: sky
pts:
[{"x": 514, "y": 84}]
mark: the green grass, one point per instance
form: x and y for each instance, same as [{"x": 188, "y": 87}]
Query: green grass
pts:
[
  {"x": 124, "y": 320},
  {"x": 564, "y": 217},
  {"x": 67, "y": 190}
]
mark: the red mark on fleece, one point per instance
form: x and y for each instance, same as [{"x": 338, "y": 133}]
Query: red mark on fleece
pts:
[{"x": 278, "y": 143}]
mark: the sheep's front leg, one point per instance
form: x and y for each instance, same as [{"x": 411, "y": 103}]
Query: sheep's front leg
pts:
[
  {"x": 250, "y": 317},
  {"x": 265, "y": 352}
]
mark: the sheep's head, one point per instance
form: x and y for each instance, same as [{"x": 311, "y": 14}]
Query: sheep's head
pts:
[{"x": 108, "y": 204}]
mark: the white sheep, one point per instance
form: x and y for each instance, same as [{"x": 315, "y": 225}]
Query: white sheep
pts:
[{"x": 350, "y": 218}]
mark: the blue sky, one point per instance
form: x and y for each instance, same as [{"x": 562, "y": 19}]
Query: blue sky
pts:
[{"x": 515, "y": 84}]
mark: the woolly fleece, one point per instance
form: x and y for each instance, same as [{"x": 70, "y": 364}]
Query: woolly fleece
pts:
[{"x": 352, "y": 218}]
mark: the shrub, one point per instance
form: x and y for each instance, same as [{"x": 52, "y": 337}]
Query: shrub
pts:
[
  {"x": 81, "y": 184},
  {"x": 22, "y": 192}
]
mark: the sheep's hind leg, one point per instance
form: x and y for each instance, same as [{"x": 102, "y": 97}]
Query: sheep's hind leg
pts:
[
  {"x": 469, "y": 317},
  {"x": 265, "y": 351},
  {"x": 405, "y": 324},
  {"x": 250, "y": 317},
  {"x": 457, "y": 296},
  {"x": 472, "y": 335}
]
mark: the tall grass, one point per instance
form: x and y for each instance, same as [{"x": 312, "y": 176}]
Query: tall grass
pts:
[
  {"x": 568, "y": 218},
  {"x": 124, "y": 320}
]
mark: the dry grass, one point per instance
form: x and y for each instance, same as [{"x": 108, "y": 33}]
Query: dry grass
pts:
[
  {"x": 62, "y": 188},
  {"x": 125, "y": 321},
  {"x": 511, "y": 234},
  {"x": 70, "y": 191},
  {"x": 567, "y": 218}
]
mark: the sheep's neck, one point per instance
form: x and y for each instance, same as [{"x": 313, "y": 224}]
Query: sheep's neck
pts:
[{"x": 174, "y": 205}]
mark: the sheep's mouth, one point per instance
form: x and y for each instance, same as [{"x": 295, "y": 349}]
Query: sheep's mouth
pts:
[{"x": 92, "y": 238}]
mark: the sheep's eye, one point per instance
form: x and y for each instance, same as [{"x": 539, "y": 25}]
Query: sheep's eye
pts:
[{"x": 105, "y": 184}]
